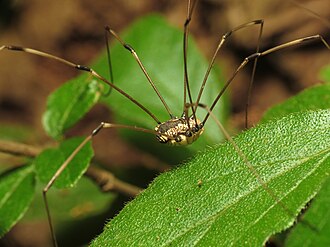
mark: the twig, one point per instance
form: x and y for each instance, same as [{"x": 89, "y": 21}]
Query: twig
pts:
[
  {"x": 108, "y": 182},
  {"x": 104, "y": 179},
  {"x": 19, "y": 149}
]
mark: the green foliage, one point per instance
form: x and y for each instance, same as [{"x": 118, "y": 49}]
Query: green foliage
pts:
[
  {"x": 319, "y": 215},
  {"x": 215, "y": 200},
  {"x": 50, "y": 160},
  {"x": 16, "y": 194},
  {"x": 314, "y": 98},
  {"x": 18, "y": 188},
  {"x": 212, "y": 200},
  {"x": 159, "y": 47},
  {"x": 68, "y": 104}
]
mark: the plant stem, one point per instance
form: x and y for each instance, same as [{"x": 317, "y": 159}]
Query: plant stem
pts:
[{"x": 104, "y": 179}]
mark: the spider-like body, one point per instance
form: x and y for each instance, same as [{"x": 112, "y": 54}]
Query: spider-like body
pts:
[{"x": 179, "y": 131}]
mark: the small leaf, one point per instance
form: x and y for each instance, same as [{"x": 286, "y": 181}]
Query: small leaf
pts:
[
  {"x": 69, "y": 103},
  {"x": 49, "y": 161},
  {"x": 17, "y": 190},
  {"x": 318, "y": 214},
  {"x": 215, "y": 200},
  {"x": 314, "y": 98}
]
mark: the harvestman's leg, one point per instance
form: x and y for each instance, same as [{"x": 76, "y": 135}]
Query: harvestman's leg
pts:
[
  {"x": 72, "y": 155},
  {"x": 109, "y": 60},
  {"x": 261, "y": 54},
  {"x": 191, "y": 6},
  {"x": 101, "y": 126},
  {"x": 220, "y": 44},
  {"x": 246, "y": 161},
  {"x": 236, "y": 147},
  {"x": 244, "y": 158},
  {"x": 137, "y": 59},
  {"x": 186, "y": 88},
  {"x": 82, "y": 68}
]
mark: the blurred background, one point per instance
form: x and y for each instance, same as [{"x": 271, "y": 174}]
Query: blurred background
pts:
[{"x": 74, "y": 30}]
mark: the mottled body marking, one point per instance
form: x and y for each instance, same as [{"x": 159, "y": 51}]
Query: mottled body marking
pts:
[{"x": 179, "y": 131}]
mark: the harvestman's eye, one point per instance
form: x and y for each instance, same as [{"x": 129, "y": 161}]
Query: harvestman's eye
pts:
[
  {"x": 178, "y": 139},
  {"x": 188, "y": 133}
]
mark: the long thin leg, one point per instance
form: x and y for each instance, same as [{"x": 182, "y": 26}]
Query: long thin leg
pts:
[
  {"x": 249, "y": 92},
  {"x": 255, "y": 173},
  {"x": 245, "y": 159},
  {"x": 72, "y": 155},
  {"x": 106, "y": 37},
  {"x": 137, "y": 59},
  {"x": 261, "y": 54},
  {"x": 215, "y": 53},
  {"x": 186, "y": 87},
  {"x": 311, "y": 12},
  {"x": 79, "y": 67}
]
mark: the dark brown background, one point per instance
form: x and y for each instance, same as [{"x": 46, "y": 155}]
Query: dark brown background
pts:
[{"x": 74, "y": 30}]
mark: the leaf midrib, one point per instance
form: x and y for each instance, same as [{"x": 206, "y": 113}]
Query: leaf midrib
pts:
[
  {"x": 242, "y": 196},
  {"x": 14, "y": 187}
]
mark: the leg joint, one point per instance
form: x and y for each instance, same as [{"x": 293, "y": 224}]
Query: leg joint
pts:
[
  {"x": 14, "y": 48},
  {"x": 95, "y": 131},
  {"x": 128, "y": 47},
  {"x": 253, "y": 56},
  {"x": 84, "y": 68}
]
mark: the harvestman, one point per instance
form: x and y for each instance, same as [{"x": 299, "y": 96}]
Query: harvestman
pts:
[{"x": 182, "y": 130}]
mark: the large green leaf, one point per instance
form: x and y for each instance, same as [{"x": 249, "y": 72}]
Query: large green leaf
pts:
[
  {"x": 159, "y": 47},
  {"x": 16, "y": 194},
  {"x": 314, "y": 98},
  {"x": 49, "y": 161},
  {"x": 214, "y": 200},
  {"x": 318, "y": 215}
]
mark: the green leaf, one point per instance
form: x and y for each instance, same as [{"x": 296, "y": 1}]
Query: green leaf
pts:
[
  {"x": 49, "y": 161},
  {"x": 319, "y": 216},
  {"x": 161, "y": 52},
  {"x": 314, "y": 98},
  {"x": 70, "y": 103},
  {"x": 159, "y": 47},
  {"x": 215, "y": 200},
  {"x": 17, "y": 190}
]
